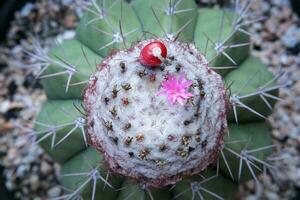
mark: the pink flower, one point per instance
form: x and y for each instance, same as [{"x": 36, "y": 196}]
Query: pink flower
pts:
[{"x": 176, "y": 89}]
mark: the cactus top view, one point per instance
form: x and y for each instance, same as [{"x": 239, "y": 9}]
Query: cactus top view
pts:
[{"x": 156, "y": 99}]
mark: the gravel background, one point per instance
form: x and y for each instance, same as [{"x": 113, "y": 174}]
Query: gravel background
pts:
[{"x": 32, "y": 175}]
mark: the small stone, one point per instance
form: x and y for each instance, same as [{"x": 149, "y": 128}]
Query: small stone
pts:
[
  {"x": 5, "y": 106},
  {"x": 45, "y": 168},
  {"x": 5, "y": 127},
  {"x": 34, "y": 182},
  {"x": 70, "y": 21},
  {"x": 291, "y": 37},
  {"x": 54, "y": 192}
]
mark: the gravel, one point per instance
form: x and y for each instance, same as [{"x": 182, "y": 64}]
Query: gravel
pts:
[
  {"x": 33, "y": 175},
  {"x": 29, "y": 172}
]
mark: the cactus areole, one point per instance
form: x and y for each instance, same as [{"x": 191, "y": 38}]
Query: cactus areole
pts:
[{"x": 157, "y": 112}]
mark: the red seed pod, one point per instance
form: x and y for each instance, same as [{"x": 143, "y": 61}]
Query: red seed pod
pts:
[{"x": 153, "y": 54}]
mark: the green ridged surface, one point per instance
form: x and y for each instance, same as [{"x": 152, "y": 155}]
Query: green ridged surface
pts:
[
  {"x": 119, "y": 12},
  {"x": 220, "y": 185},
  {"x": 208, "y": 26},
  {"x": 170, "y": 23},
  {"x": 85, "y": 162},
  {"x": 134, "y": 192},
  {"x": 251, "y": 75},
  {"x": 248, "y": 136},
  {"x": 72, "y": 52},
  {"x": 60, "y": 112}
]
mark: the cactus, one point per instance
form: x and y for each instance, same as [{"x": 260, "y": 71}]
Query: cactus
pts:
[{"x": 185, "y": 121}]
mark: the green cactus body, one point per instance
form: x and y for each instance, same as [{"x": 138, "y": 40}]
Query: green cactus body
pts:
[
  {"x": 61, "y": 114},
  {"x": 200, "y": 188},
  {"x": 135, "y": 192},
  {"x": 70, "y": 53},
  {"x": 64, "y": 129},
  {"x": 117, "y": 29},
  {"x": 170, "y": 23},
  {"x": 207, "y": 39},
  {"x": 252, "y": 136}
]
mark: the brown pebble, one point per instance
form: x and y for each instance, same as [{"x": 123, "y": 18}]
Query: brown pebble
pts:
[
  {"x": 70, "y": 21},
  {"x": 7, "y": 126}
]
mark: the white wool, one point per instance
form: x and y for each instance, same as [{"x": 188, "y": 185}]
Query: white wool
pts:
[{"x": 153, "y": 116}]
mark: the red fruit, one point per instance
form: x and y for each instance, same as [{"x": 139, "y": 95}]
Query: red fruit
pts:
[{"x": 153, "y": 54}]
